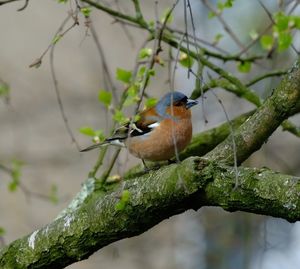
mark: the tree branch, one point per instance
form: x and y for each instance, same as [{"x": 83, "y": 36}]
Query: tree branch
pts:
[
  {"x": 283, "y": 103},
  {"x": 190, "y": 185}
]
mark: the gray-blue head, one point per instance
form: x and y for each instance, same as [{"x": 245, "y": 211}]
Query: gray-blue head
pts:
[{"x": 175, "y": 98}]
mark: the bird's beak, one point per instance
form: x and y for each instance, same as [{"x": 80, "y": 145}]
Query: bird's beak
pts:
[{"x": 190, "y": 103}]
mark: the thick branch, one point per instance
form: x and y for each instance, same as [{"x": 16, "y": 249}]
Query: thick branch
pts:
[
  {"x": 153, "y": 197},
  {"x": 251, "y": 135}
]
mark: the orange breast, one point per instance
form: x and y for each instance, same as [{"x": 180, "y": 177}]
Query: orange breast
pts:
[{"x": 160, "y": 143}]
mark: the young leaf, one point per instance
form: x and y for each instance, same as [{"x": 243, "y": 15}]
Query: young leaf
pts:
[
  {"x": 267, "y": 42},
  {"x": 186, "y": 60},
  {"x": 105, "y": 97},
  {"x": 4, "y": 90},
  {"x": 119, "y": 117},
  {"x": 125, "y": 198},
  {"x": 56, "y": 39},
  {"x": 165, "y": 15},
  {"x": 244, "y": 67},
  {"x": 145, "y": 53},
  {"x": 53, "y": 194},
  {"x": 132, "y": 96},
  {"x": 2, "y": 231},
  {"x": 16, "y": 174},
  {"x": 284, "y": 41},
  {"x": 86, "y": 11},
  {"x": 211, "y": 15},
  {"x": 282, "y": 21},
  {"x": 141, "y": 72},
  {"x": 253, "y": 34},
  {"x": 217, "y": 38},
  {"x": 296, "y": 21},
  {"x": 123, "y": 75},
  {"x": 87, "y": 131},
  {"x": 150, "y": 102}
]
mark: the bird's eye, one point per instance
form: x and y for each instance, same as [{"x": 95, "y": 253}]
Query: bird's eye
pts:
[{"x": 179, "y": 103}]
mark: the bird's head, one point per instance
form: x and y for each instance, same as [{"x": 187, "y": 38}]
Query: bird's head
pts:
[{"x": 175, "y": 99}]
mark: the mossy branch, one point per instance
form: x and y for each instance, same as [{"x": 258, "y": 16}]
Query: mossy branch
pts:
[
  {"x": 155, "y": 196},
  {"x": 283, "y": 103}
]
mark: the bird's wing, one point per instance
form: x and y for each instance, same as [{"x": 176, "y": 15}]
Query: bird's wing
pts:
[{"x": 148, "y": 120}]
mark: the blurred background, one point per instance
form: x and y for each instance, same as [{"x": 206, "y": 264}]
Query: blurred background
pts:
[{"x": 33, "y": 132}]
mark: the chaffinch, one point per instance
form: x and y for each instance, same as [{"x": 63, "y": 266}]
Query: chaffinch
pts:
[{"x": 153, "y": 135}]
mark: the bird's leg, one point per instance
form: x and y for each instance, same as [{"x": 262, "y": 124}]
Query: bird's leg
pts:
[
  {"x": 146, "y": 169},
  {"x": 171, "y": 161}
]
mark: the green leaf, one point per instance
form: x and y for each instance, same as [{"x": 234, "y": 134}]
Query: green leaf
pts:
[
  {"x": 125, "y": 198},
  {"x": 281, "y": 21},
  {"x": 186, "y": 60},
  {"x": 284, "y": 41},
  {"x": 62, "y": 1},
  {"x": 151, "y": 72},
  {"x": 56, "y": 39},
  {"x": 87, "y": 131},
  {"x": 105, "y": 97},
  {"x": 165, "y": 15},
  {"x": 296, "y": 21},
  {"x": 53, "y": 194},
  {"x": 132, "y": 96},
  {"x": 86, "y": 11},
  {"x": 120, "y": 206},
  {"x": 99, "y": 136},
  {"x": 150, "y": 102},
  {"x": 211, "y": 15},
  {"x": 253, "y": 34},
  {"x": 2, "y": 231},
  {"x": 228, "y": 3},
  {"x": 141, "y": 72},
  {"x": 123, "y": 75},
  {"x": 267, "y": 42},
  {"x": 15, "y": 175},
  {"x": 119, "y": 117},
  {"x": 145, "y": 53},
  {"x": 244, "y": 67},
  {"x": 222, "y": 5},
  {"x": 4, "y": 90},
  {"x": 217, "y": 38}
]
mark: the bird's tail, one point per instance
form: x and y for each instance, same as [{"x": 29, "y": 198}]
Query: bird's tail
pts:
[
  {"x": 94, "y": 146},
  {"x": 115, "y": 141}
]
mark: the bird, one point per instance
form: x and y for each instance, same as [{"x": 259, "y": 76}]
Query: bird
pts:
[{"x": 159, "y": 133}]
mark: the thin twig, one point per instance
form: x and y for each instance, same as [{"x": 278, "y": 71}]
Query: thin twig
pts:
[
  {"x": 59, "y": 100},
  {"x": 107, "y": 74},
  {"x": 234, "y": 149},
  {"x": 275, "y": 73},
  {"x": 224, "y": 23},
  {"x": 25, "y": 6},
  {"x": 123, "y": 26}
]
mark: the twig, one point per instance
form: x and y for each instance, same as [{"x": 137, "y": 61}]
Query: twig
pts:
[
  {"x": 123, "y": 26},
  {"x": 266, "y": 75},
  {"x": 272, "y": 20},
  {"x": 59, "y": 100},
  {"x": 107, "y": 74},
  {"x": 200, "y": 40},
  {"x": 234, "y": 149},
  {"x": 7, "y": 2},
  {"x": 224, "y": 23},
  {"x": 106, "y": 173},
  {"x": 117, "y": 14},
  {"x": 6, "y": 169},
  {"x": 25, "y": 6}
]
